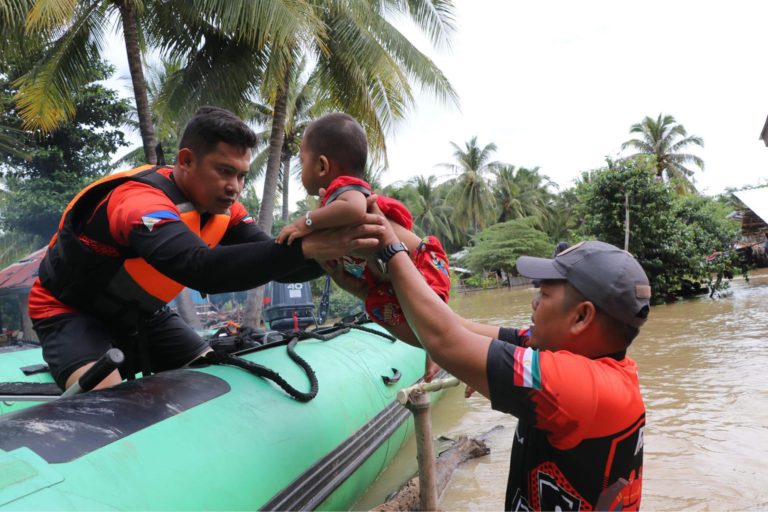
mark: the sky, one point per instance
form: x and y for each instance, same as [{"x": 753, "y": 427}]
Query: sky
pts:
[{"x": 557, "y": 84}]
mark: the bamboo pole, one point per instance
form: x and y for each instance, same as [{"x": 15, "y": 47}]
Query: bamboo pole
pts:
[{"x": 416, "y": 399}]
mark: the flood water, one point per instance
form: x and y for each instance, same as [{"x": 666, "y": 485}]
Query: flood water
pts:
[{"x": 704, "y": 374}]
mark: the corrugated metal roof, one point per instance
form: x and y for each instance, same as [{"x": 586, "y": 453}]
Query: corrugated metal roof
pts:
[
  {"x": 756, "y": 200},
  {"x": 19, "y": 276}
]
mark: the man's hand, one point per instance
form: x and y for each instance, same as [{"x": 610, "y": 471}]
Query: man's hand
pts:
[
  {"x": 431, "y": 369},
  {"x": 388, "y": 235},
  {"x": 330, "y": 244}
]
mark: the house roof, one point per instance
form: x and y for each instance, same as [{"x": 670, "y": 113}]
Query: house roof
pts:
[
  {"x": 756, "y": 200},
  {"x": 19, "y": 276}
]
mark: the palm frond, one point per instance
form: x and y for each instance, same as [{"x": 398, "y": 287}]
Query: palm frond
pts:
[
  {"x": 44, "y": 97},
  {"x": 50, "y": 14}
]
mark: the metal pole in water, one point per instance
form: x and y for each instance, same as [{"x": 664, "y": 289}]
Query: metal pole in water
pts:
[{"x": 416, "y": 399}]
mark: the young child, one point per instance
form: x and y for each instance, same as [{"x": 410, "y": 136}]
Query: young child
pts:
[{"x": 333, "y": 154}]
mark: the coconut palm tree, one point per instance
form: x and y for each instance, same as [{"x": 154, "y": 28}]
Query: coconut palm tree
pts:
[
  {"x": 665, "y": 139},
  {"x": 168, "y": 123},
  {"x": 522, "y": 192},
  {"x": 176, "y": 28},
  {"x": 471, "y": 194},
  {"x": 430, "y": 213},
  {"x": 302, "y": 106}
]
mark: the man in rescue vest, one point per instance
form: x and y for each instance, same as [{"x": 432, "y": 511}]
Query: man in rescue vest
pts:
[
  {"x": 576, "y": 394},
  {"x": 128, "y": 243}
]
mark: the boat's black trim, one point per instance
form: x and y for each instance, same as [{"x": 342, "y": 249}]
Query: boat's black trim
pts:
[
  {"x": 11, "y": 390},
  {"x": 66, "y": 429},
  {"x": 34, "y": 369},
  {"x": 313, "y": 486}
]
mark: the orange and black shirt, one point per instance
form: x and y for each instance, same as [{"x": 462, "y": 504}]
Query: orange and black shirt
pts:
[
  {"x": 138, "y": 220},
  {"x": 579, "y": 438}
]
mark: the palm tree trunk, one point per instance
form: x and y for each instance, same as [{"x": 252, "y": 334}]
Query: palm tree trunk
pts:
[
  {"x": 131, "y": 35},
  {"x": 186, "y": 307},
  {"x": 286, "y": 184},
  {"x": 276, "y": 138}
]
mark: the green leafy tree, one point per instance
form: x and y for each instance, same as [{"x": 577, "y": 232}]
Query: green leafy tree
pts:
[
  {"x": 670, "y": 236},
  {"x": 62, "y": 161},
  {"x": 499, "y": 246},
  {"x": 665, "y": 139},
  {"x": 75, "y": 30}
]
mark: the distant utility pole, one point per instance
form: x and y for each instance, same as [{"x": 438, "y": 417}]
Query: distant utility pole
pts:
[{"x": 626, "y": 221}]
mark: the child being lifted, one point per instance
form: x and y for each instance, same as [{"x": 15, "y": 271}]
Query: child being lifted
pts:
[{"x": 333, "y": 155}]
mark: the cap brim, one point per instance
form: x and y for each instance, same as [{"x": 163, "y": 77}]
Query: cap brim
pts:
[{"x": 537, "y": 268}]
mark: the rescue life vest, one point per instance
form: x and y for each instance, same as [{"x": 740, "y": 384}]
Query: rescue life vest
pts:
[{"x": 116, "y": 287}]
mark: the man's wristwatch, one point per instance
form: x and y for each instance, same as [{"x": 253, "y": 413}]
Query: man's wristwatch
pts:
[{"x": 383, "y": 256}]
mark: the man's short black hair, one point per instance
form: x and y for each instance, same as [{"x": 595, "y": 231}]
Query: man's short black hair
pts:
[
  {"x": 211, "y": 125},
  {"x": 340, "y": 138}
]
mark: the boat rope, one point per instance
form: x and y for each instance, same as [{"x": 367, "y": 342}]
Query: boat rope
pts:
[
  {"x": 373, "y": 331},
  {"x": 267, "y": 373},
  {"x": 341, "y": 328}
]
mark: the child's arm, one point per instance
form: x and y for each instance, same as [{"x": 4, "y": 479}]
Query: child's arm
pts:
[{"x": 348, "y": 209}]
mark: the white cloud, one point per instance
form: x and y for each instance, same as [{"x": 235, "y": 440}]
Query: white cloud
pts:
[{"x": 557, "y": 84}]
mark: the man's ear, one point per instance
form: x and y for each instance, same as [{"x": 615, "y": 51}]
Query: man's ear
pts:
[
  {"x": 185, "y": 158},
  {"x": 585, "y": 316}
]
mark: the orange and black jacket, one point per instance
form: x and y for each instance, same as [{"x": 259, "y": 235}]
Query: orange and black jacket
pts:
[{"x": 89, "y": 268}]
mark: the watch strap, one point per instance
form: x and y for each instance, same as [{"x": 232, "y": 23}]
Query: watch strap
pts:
[{"x": 386, "y": 254}]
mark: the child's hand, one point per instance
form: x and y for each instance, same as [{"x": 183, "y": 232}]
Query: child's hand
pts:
[
  {"x": 285, "y": 233},
  {"x": 300, "y": 231},
  {"x": 291, "y": 232}
]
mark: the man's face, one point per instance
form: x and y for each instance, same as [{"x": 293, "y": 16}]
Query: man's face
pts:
[
  {"x": 215, "y": 181},
  {"x": 309, "y": 169},
  {"x": 550, "y": 317}
]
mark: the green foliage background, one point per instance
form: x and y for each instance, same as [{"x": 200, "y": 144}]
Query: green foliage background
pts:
[
  {"x": 670, "y": 235},
  {"x": 61, "y": 162},
  {"x": 499, "y": 246}
]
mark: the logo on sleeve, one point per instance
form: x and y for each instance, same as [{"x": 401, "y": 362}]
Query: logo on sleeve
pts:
[
  {"x": 151, "y": 220},
  {"x": 248, "y": 220},
  {"x": 527, "y": 373}
]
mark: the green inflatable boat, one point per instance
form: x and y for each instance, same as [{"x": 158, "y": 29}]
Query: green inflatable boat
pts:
[{"x": 211, "y": 437}]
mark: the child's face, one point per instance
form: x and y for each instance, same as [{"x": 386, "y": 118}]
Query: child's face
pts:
[{"x": 310, "y": 169}]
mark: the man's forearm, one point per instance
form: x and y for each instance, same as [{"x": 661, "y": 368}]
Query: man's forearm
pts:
[
  {"x": 455, "y": 348},
  {"x": 427, "y": 314}
]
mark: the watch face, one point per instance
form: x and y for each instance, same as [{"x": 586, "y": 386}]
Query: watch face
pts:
[{"x": 381, "y": 266}]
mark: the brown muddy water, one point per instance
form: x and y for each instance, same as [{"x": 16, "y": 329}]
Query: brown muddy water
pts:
[{"x": 704, "y": 374}]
